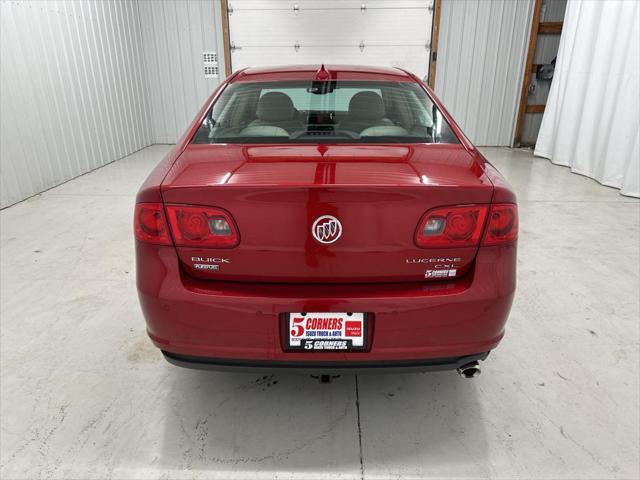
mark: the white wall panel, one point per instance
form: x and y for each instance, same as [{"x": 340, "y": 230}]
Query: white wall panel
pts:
[
  {"x": 480, "y": 65},
  {"x": 175, "y": 33},
  {"x": 73, "y": 95}
]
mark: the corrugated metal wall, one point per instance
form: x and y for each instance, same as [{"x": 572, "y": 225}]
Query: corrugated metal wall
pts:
[
  {"x": 73, "y": 93},
  {"x": 85, "y": 83},
  {"x": 175, "y": 33},
  {"x": 481, "y": 57}
]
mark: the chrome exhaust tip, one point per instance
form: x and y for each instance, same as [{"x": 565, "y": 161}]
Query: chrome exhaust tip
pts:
[{"x": 469, "y": 370}]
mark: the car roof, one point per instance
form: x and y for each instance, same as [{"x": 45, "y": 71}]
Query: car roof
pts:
[{"x": 310, "y": 72}]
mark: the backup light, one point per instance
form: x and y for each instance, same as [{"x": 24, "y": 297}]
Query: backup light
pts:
[
  {"x": 434, "y": 226},
  {"x": 219, "y": 226}
]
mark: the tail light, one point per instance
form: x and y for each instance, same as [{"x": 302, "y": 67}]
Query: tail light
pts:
[
  {"x": 194, "y": 226},
  {"x": 459, "y": 226},
  {"x": 150, "y": 224},
  {"x": 502, "y": 225}
]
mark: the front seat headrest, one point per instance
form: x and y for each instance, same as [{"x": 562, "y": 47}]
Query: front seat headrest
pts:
[
  {"x": 366, "y": 105},
  {"x": 275, "y": 107}
]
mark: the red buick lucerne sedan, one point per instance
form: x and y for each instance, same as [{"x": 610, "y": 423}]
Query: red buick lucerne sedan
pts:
[{"x": 325, "y": 219}]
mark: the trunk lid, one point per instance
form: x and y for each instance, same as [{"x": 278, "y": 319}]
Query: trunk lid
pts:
[{"x": 275, "y": 194}]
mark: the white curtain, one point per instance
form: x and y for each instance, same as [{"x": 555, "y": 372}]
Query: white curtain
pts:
[{"x": 592, "y": 119}]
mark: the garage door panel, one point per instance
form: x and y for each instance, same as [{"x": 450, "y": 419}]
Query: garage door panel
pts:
[
  {"x": 243, "y": 5},
  {"x": 391, "y": 33},
  {"x": 325, "y": 27},
  {"x": 414, "y": 59}
]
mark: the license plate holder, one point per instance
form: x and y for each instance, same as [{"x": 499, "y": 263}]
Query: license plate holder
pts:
[{"x": 326, "y": 331}]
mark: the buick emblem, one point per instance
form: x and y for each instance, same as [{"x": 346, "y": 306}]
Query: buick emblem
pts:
[{"x": 326, "y": 229}]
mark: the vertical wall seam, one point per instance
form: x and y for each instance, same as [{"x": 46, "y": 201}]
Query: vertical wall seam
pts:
[{"x": 143, "y": 66}]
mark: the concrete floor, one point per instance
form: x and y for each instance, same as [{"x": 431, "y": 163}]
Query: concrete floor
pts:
[{"x": 85, "y": 395}]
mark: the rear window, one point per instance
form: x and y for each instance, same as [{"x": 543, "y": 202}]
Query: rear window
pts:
[{"x": 324, "y": 112}]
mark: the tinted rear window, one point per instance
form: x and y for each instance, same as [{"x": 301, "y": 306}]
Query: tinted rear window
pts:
[{"x": 324, "y": 112}]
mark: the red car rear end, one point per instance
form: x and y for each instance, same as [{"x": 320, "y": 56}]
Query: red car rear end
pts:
[{"x": 325, "y": 219}]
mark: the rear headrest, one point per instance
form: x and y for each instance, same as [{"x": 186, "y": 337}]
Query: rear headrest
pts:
[
  {"x": 366, "y": 105},
  {"x": 274, "y": 107}
]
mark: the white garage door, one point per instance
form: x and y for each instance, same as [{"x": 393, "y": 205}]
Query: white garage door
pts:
[{"x": 393, "y": 33}]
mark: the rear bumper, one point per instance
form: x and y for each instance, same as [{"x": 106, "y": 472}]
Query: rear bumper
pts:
[
  {"x": 322, "y": 367},
  {"x": 425, "y": 326}
]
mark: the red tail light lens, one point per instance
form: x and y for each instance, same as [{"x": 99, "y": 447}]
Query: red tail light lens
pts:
[
  {"x": 503, "y": 224},
  {"x": 447, "y": 227},
  {"x": 194, "y": 226},
  {"x": 150, "y": 224}
]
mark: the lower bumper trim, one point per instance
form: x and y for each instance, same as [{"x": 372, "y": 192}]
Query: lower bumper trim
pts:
[{"x": 319, "y": 367}]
